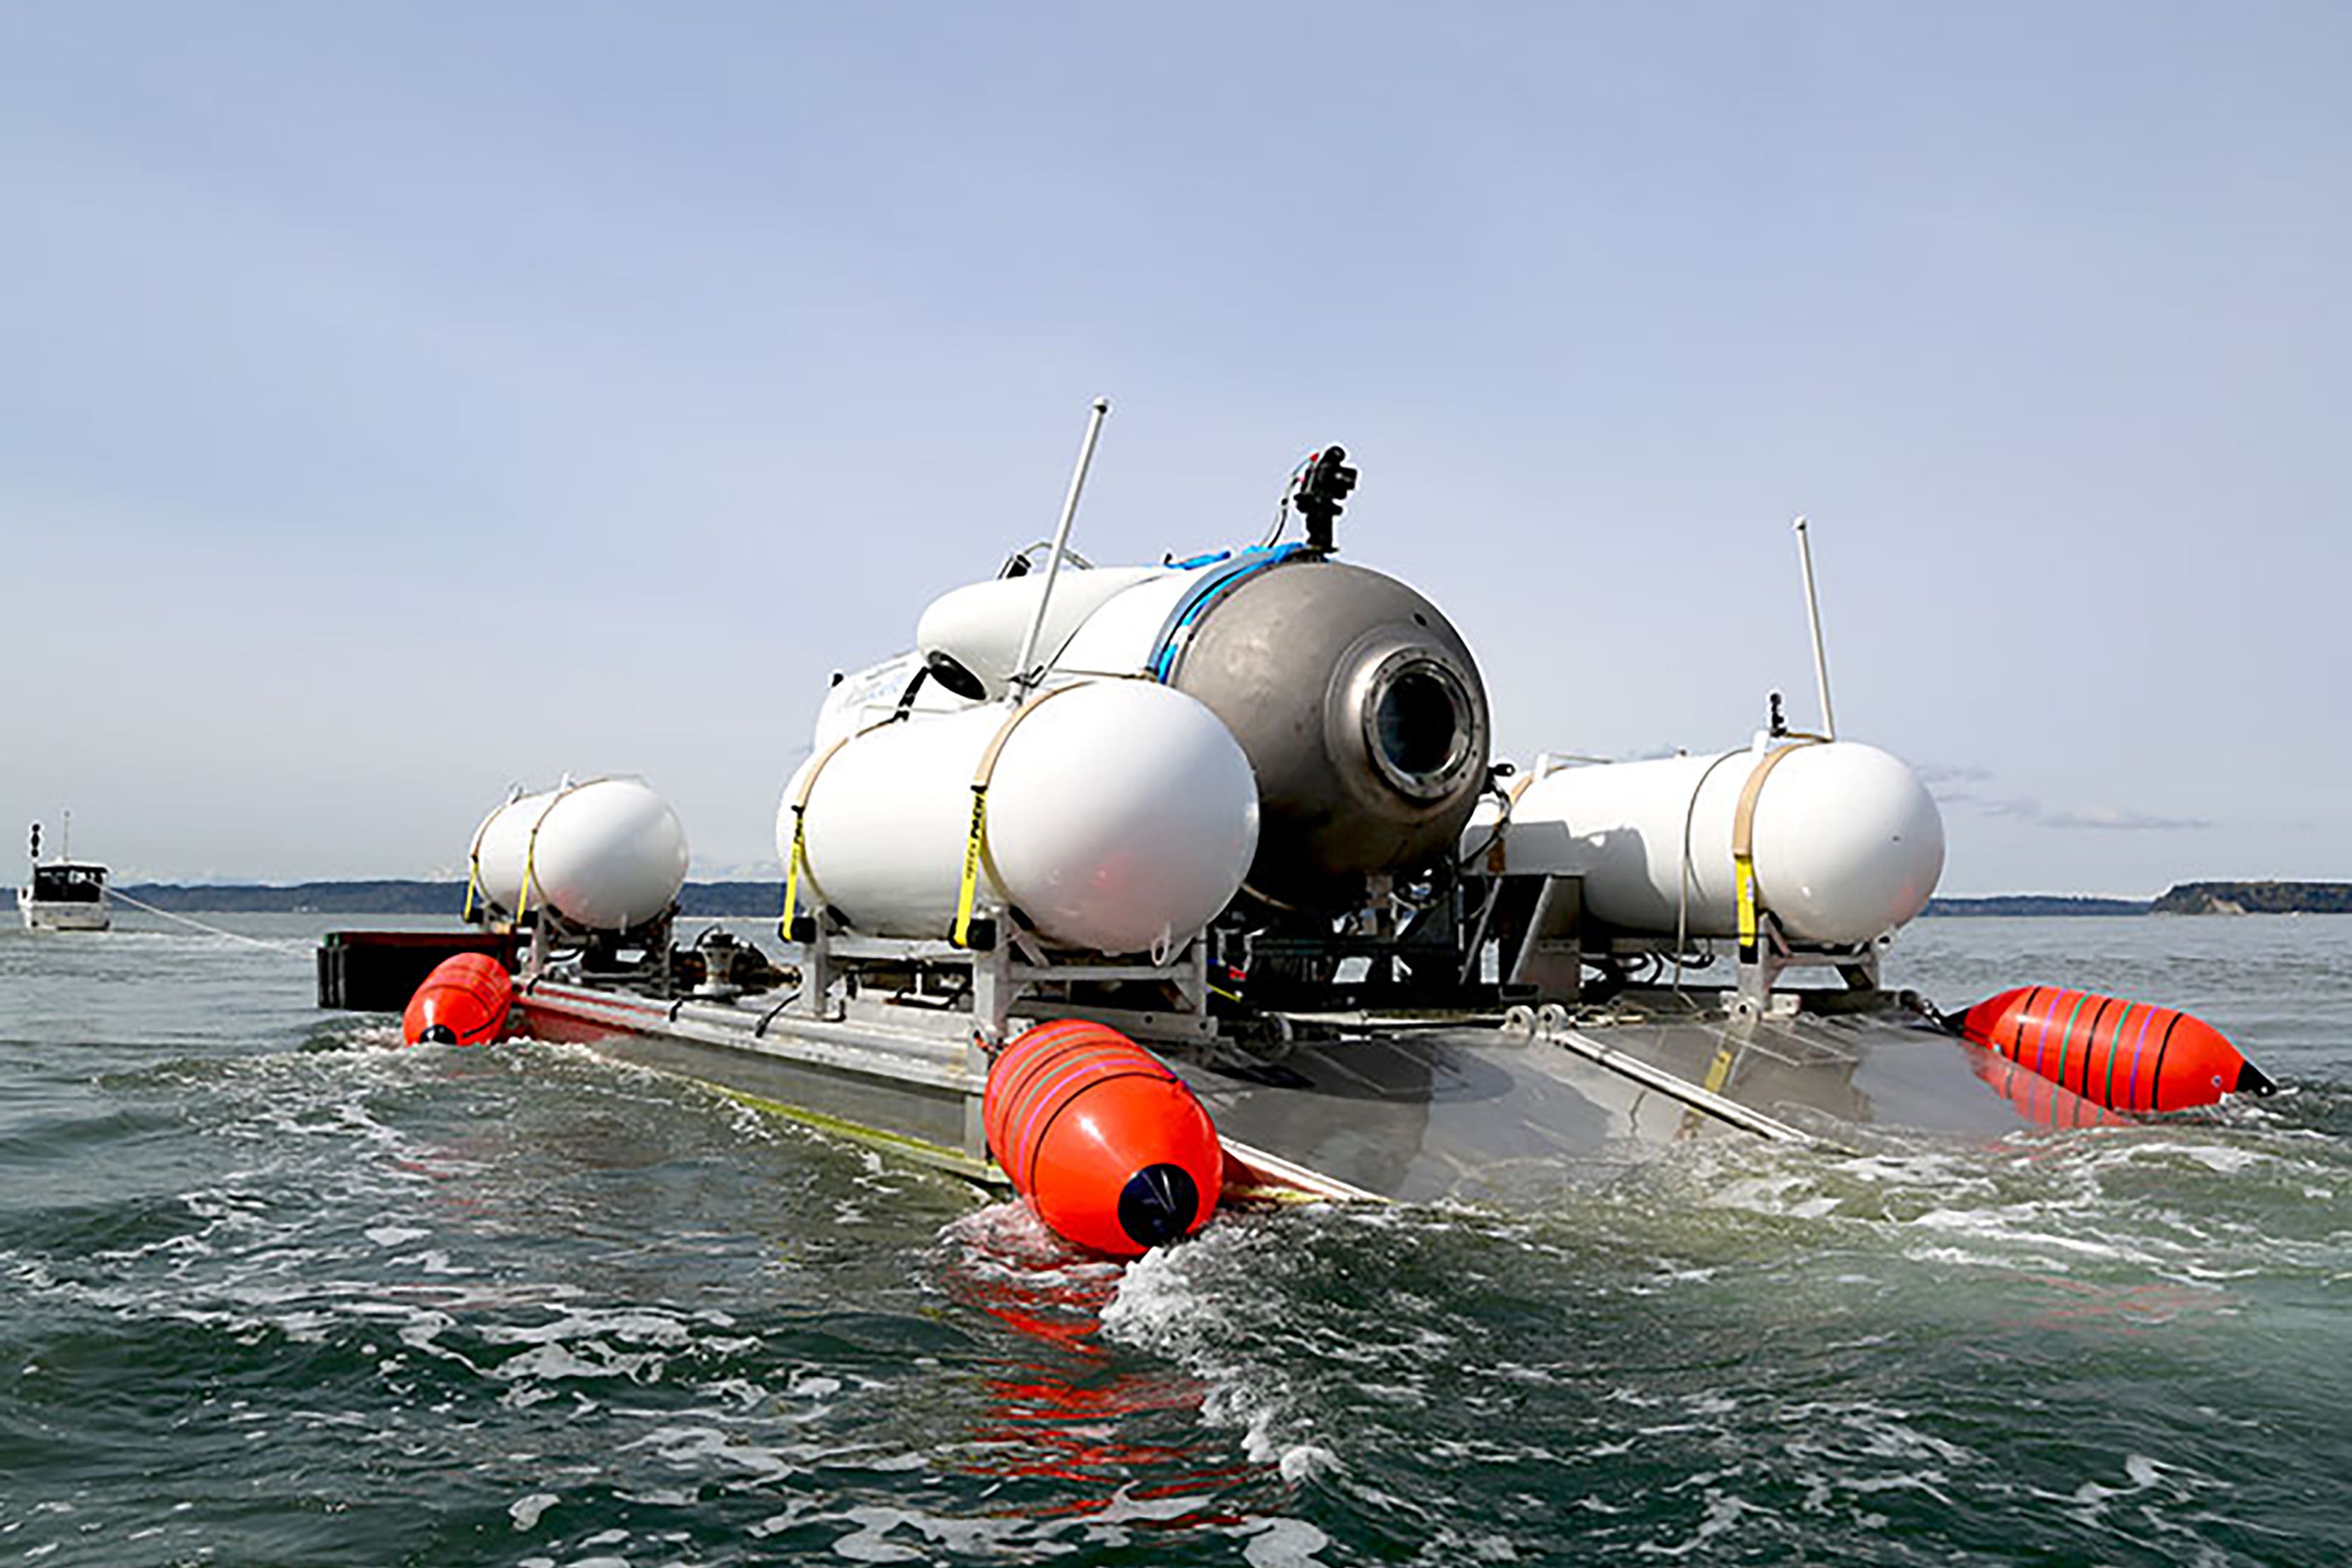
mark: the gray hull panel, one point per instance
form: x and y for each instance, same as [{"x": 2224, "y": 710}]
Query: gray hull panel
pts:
[
  {"x": 1480, "y": 1116},
  {"x": 917, "y": 1088},
  {"x": 1458, "y": 1112}
]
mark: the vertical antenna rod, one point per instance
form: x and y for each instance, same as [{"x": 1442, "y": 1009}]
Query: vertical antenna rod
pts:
[
  {"x": 1024, "y": 677},
  {"x": 1814, "y": 616}
]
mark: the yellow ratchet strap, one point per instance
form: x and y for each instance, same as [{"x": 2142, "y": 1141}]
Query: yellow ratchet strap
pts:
[
  {"x": 1718, "y": 1071},
  {"x": 961, "y": 935},
  {"x": 792, "y": 874},
  {"x": 1743, "y": 847},
  {"x": 474, "y": 867},
  {"x": 975, "y": 844},
  {"x": 529, "y": 868}
]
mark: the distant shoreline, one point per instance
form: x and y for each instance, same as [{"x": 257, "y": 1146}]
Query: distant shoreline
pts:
[
  {"x": 2181, "y": 899},
  {"x": 736, "y": 900},
  {"x": 699, "y": 900},
  {"x": 2035, "y": 904}
]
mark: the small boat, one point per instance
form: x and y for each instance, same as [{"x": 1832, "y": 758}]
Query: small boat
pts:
[{"x": 63, "y": 894}]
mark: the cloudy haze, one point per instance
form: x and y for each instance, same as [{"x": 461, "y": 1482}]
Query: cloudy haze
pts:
[{"x": 401, "y": 400}]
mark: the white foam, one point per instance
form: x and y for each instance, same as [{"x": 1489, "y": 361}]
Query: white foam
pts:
[
  {"x": 1723, "y": 1512},
  {"x": 1284, "y": 1543},
  {"x": 1306, "y": 1461},
  {"x": 394, "y": 1235},
  {"x": 525, "y": 1511},
  {"x": 794, "y": 1511},
  {"x": 645, "y": 1325},
  {"x": 871, "y": 1542}
]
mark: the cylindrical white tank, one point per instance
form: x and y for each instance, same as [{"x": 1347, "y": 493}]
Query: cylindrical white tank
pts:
[
  {"x": 981, "y": 625},
  {"x": 1121, "y": 817},
  {"x": 1847, "y": 841},
  {"x": 605, "y": 855},
  {"x": 869, "y": 696}
]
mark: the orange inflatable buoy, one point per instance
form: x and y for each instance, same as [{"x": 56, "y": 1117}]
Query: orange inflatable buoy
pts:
[
  {"x": 1110, "y": 1147},
  {"x": 2126, "y": 1055},
  {"x": 463, "y": 1002}
]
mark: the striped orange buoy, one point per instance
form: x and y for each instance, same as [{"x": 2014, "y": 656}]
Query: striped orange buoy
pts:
[
  {"x": 2126, "y": 1055},
  {"x": 463, "y": 1002},
  {"x": 1112, "y": 1150}
]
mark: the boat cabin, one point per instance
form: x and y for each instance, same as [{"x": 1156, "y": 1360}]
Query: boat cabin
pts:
[{"x": 69, "y": 882}]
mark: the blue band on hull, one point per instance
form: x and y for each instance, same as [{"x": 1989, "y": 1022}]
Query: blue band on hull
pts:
[{"x": 1214, "y": 583}]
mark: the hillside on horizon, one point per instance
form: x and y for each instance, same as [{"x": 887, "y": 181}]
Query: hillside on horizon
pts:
[{"x": 399, "y": 896}]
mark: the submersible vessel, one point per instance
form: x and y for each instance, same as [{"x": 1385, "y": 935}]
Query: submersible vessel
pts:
[{"x": 1233, "y": 823}]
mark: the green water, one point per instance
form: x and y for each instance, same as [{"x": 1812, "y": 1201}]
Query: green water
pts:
[{"x": 277, "y": 1293}]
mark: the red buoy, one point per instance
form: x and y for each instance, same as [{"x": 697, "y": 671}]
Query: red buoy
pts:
[
  {"x": 2126, "y": 1055},
  {"x": 463, "y": 1002},
  {"x": 1110, "y": 1147}
]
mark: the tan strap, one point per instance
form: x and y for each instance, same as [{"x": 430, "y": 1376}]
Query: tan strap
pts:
[
  {"x": 1743, "y": 847},
  {"x": 531, "y": 845},
  {"x": 808, "y": 779},
  {"x": 975, "y": 844},
  {"x": 986, "y": 769},
  {"x": 1743, "y": 822},
  {"x": 798, "y": 855}
]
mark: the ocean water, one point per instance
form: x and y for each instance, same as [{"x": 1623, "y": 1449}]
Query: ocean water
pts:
[{"x": 277, "y": 1292}]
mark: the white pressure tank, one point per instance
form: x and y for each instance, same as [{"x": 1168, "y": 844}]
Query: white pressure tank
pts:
[
  {"x": 1120, "y": 818},
  {"x": 980, "y": 626},
  {"x": 605, "y": 855},
  {"x": 1847, "y": 843}
]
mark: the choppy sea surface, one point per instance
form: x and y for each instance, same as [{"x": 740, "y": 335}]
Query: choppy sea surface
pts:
[{"x": 272, "y": 1291}]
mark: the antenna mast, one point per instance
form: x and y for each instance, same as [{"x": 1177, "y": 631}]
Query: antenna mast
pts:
[
  {"x": 1814, "y": 616},
  {"x": 1024, "y": 678}
]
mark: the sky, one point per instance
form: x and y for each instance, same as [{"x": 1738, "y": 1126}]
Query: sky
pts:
[{"x": 400, "y": 401}]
